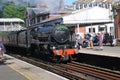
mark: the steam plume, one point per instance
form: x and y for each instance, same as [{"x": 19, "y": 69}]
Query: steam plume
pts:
[{"x": 53, "y": 5}]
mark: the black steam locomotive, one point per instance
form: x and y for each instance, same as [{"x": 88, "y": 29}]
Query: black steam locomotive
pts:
[{"x": 48, "y": 38}]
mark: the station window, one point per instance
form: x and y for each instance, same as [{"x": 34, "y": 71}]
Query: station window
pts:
[
  {"x": 91, "y": 30},
  {"x": 111, "y": 29},
  {"x": 101, "y": 28}
]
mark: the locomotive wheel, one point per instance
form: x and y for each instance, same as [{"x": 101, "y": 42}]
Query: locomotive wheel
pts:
[
  {"x": 36, "y": 52},
  {"x": 56, "y": 59},
  {"x": 66, "y": 58},
  {"x": 70, "y": 59},
  {"x": 28, "y": 52}
]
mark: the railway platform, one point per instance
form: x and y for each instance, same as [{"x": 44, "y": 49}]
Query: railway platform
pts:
[
  {"x": 6, "y": 73},
  {"x": 15, "y": 69},
  {"x": 108, "y": 58},
  {"x": 108, "y": 51}
]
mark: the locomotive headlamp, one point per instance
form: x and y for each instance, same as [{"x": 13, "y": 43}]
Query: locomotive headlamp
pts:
[
  {"x": 65, "y": 46},
  {"x": 53, "y": 47},
  {"x": 57, "y": 52},
  {"x": 76, "y": 51},
  {"x": 75, "y": 46}
]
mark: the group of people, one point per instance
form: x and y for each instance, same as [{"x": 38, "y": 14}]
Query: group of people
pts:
[{"x": 87, "y": 41}]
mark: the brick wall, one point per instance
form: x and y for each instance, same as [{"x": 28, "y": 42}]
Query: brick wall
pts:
[
  {"x": 117, "y": 25},
  {"x": 81, "y": 29}
]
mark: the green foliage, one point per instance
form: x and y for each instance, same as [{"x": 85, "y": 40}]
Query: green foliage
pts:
[
  {"x": 3, "y": 32},
  {"x": 114, "y": 6},
  {"x": 61, "y": 27},
  {"x": 9, "y": 11},
  {"x": 13, "y": 11},
  {"x": 111, "y": 16}
]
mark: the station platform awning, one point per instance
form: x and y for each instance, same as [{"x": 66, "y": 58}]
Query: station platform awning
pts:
[
  {"x": 87, "y": 21},
  {"x": 11, "y": 20},
  {"x": 7, "y": 24},
  {"x": 95, "y": 15}
]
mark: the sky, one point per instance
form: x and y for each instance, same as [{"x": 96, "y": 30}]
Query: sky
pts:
[{"x": 69, "y": 2}]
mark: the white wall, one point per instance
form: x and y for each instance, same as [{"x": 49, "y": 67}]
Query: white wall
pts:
[
  {"x": 96, "y": 28},
  {"x": 90, "y": 15}
]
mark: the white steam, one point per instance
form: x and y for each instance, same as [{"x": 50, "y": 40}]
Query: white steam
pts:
[{"x": 52, "y": 5}]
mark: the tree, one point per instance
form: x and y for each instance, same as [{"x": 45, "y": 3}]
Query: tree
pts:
[
  {"x": 21, "y": 11},
  {"x": 13, "y": 11},
  {"x": 9, "y": 11},
  {"x": 114, "y": 6}
]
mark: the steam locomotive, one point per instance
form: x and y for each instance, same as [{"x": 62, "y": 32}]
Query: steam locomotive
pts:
[{"x": 48, "y": 38}]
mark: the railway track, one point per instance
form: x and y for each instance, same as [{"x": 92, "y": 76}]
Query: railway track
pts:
[
  {"x": 91, "y": 71},
  {"x": 74, "y": 71}
]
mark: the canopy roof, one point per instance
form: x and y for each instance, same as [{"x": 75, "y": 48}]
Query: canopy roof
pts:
[
  {"x": 11, "y": 20},
  {"x": 88, "y": 16}
]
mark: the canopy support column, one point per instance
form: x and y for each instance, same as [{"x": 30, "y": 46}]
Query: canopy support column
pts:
[
  {"x": 4, "y": 26},
  {"x": 91, "y": 29},
  {"x": 78, "y": 28}
]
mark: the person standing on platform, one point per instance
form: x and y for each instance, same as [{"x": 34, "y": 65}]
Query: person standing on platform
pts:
[
  {"x": 87, "y": 39},
  {"x": 79, "y": 41},
  {"x": 100, "y": 40},
  {"x": 111, "y": 39},
  {"x": 91, "y": 41},
  {"x": 2, "y": 49}
]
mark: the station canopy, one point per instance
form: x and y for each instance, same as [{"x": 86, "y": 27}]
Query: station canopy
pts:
[
  {"x": 88, "y": 16},
  {"x": 11, "y": 20}
]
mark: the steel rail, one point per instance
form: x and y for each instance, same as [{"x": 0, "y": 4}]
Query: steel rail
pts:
[{"x": 100, "y": 73}]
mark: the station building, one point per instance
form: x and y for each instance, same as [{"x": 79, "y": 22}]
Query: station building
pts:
[
  {"x": 90, "y": 20},
  {"x": 11, "y": 24}
]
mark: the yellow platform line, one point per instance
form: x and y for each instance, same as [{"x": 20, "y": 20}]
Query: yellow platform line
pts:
[{"x": 26, "y": 76}]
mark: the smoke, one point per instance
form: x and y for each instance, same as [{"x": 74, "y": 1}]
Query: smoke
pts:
[{"x": 52, "y": 5}]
